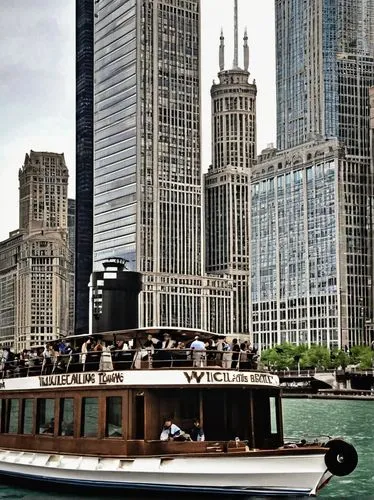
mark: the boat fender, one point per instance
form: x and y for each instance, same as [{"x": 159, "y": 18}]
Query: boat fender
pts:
[{"x": 341, "y": 458}]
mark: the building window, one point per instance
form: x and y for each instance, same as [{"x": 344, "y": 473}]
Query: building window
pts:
[
  {"x": 27, "y": 416},
  {"x": 45, "y": 418},
  {"x": 90, "y": 417},
  {"x": 11, "y": 415},
  {"x": 113, "y": 417},
  {"x": 66, "y": 421}
]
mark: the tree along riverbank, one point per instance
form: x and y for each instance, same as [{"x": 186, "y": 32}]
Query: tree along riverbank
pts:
[{"x": 292, "y": 357}]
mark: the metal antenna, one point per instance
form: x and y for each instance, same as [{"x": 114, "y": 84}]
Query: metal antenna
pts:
[
  {"x": 235, "y": 33},
  {"x": 222, "y": 52}
]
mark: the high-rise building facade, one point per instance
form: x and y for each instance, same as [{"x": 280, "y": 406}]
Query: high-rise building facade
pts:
[
  {"x": 71, "y": 242},
  {"x": 9, "y": 258},
  {"x": 310, "y": 208},
  {"x": 324, "y": 66},
  {"x": 84, "y": 160},
  {"x": 147, "y": 171},
  {"x": 303, "y": 252},
  {"x": 35, "y": 261},
  {"x": 227, "y": 183},
  {"x": 45, "y": 259},
  {"x": 370, "y": 321}
]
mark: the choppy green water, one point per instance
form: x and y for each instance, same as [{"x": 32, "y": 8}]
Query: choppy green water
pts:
[{"x": 352, "y": 420}]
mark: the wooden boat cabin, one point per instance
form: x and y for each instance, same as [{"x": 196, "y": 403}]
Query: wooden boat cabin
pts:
[{"x": 72, "y": 407}]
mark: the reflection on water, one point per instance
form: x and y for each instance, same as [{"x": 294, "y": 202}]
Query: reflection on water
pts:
[{"x": 350, "y": 419}]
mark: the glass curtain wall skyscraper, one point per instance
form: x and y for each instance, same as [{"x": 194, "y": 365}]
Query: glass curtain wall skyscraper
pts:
[
  {"x": 324, "y": 70},
  {"x": 147, "y": 171},
  {"x": 84, "y": 160},
  {"x": 324, "y": 66}
]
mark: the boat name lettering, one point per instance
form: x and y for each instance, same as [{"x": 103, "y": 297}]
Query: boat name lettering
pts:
[
  {"x": 81, "y": 379},
  {"x": 111, "y": 378},
  {"x": 228, "y": 377},
  {"x": 261, "y": 378},
  {"x": 67, "y": 379}
]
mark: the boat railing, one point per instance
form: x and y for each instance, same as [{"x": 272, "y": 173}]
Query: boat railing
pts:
[
  {"x": 307, "y": 439},
  {"x": 129, "y": 359}
]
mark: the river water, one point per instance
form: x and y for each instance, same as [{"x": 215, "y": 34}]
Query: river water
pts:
[{"x": 352, "y": 420}]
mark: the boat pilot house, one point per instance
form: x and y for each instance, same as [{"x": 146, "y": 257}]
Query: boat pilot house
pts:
[{"x": 115, "y": 400}]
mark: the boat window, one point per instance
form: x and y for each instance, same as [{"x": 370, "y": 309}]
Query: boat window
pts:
[
  {"x": 45, "y": 419},
  {"x": 139, "y": 415},
  {"x": 27, "y": 416},
  {"x": 2, "y": 414},
  {"x": 90, "y": 417},
  {"x": 113, "y": 416},
  {"x": 273, "y": 415},
  {"x": 11, "y": 420},
  {"x": 66, "y": 421}
]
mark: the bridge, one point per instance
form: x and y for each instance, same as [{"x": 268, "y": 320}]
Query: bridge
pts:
[
  {"x": 321, "y": 380},
  {"x": 329, "y": 379}
]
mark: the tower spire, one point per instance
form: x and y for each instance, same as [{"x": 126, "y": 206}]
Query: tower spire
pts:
[
  {"x": 221, "y": 51},
  {"x": 246, "y": 50},
  {"x": 235, "y": 34}
]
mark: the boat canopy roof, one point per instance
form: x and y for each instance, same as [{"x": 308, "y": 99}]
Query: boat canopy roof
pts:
[{"x": 178, "y": 334}]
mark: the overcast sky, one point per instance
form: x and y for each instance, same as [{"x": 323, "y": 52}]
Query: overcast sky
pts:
[{"x": 37, "y": 81}]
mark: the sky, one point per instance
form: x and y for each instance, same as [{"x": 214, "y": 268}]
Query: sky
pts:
[{"x": 37, "y": 81}]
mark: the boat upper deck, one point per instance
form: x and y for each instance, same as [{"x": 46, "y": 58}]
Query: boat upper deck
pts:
[{"x": 127, "y": 357}]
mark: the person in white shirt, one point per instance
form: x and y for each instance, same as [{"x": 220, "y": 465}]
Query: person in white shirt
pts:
[
  {"x": 170, "y": 431},
  {"x": 198, "y": 352}
]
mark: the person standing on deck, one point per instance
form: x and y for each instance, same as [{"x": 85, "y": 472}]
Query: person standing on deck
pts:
[
  {"x": 226, "y": 355},
  {"x": 198, "y": 352},
  {"x": 235, "y": 353}
]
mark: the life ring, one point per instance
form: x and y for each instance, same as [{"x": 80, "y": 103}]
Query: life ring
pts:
[{"x": 341, "y": 458}]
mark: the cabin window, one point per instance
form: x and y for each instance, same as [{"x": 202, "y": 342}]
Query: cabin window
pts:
[
  {"x": 90, "y": 417},
  {"x": 45, "y": 418},
  {"x": 11, "y": 420},
  {"x": 27, "y": 416},
  {"x": 113, "y": 416},
  {"x": 66, "y": 421},
  {"x": 273, "y": 416},
  {"x": 139, "y": 415}
]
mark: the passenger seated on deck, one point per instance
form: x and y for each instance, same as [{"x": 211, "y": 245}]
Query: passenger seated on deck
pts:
[
  {"x": 171, "y": 432},
  {"x": 49, "y": 427},
  {"x": 197, "y": 432},
  {"x": 67, "y": 428}
]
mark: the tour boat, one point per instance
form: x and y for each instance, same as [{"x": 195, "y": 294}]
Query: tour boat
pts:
[{"x": 82, "y": 423}]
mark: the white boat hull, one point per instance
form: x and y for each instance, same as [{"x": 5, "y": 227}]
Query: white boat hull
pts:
[{"x": 276, "y": 475}]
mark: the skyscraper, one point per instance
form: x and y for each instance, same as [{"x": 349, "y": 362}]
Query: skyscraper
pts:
[
  {"x": 84, "y": 160},
  {"x": 9, "y": 258},
  {"x": 71, "y": 242},
  {"x": 227, "y": 183},
  {"x": 35, "y": 261},
  {"x": 300, "y": 278},
  {"x": 310, "y": 218},
  {"x": 147, "y": 171},
  {"x": 324, "y": 66}
]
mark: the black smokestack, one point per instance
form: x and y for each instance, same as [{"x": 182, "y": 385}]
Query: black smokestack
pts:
[{"x": 115, "y": 294}]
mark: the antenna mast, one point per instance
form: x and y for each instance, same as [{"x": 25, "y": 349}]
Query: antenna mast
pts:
[{"x": 235, "y": 33}]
